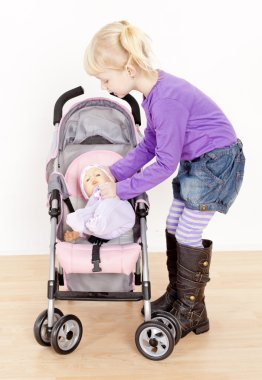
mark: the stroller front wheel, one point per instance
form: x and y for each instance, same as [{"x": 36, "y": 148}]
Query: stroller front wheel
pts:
[
  {"x": 40, "y": 327},
  {"x": 66, "y": 334},
  {"x": 154, "y": 340}
]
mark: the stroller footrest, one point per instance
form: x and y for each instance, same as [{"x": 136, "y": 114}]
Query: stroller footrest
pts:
[{"x": 99, "y": 296}]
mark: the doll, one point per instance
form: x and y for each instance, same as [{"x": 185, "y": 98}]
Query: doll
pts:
[{"x": 103, "y": 218}]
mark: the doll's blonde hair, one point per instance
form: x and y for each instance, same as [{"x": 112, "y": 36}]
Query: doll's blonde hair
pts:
[{"x": 115, "y": 46}]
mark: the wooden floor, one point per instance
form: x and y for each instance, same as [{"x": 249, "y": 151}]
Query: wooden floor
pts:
[{"x": 232, "y": 349}]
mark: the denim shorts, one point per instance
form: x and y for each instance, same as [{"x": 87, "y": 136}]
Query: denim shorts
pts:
[{"x": 212, "y": 181}]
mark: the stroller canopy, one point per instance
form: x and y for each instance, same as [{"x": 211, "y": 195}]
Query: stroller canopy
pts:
[{"x": 92, "y": 124}]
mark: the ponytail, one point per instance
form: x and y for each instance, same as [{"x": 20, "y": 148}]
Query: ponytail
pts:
[
  {"x": 115, "y": 46},
  {"x": 137, "y": 44}
]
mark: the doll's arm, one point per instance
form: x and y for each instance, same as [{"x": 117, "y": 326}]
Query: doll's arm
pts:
[
  {"x": 71, "y": 235},
  {"x": 76, "y": 220}
]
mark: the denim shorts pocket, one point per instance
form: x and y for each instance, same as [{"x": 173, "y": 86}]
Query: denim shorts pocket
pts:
[
  {"x": 239, "y": 180},
  {"x": 240, "y": 162},
  {"x": 213, "y": 180},
  {"x": 213, "y": 167}
]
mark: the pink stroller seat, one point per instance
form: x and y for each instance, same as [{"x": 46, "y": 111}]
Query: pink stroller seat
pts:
[{"x": 117, "y": 261}]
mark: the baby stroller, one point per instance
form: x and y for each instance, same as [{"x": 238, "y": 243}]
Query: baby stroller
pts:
[{"x": 96, "y": 130}]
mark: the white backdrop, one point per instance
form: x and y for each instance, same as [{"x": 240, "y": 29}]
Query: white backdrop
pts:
[{"x": 214, "y": 44}]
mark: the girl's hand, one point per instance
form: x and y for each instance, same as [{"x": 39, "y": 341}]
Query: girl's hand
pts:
[
  {"x": 109, "y": 172},
  {"x": 108, "y": 190}
]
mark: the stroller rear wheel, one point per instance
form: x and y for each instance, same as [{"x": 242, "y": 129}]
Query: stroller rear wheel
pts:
[
  {"x": 40, "y": 327},
  {"x": 66, "y": 334},
  {"x": 169, "y": 321},
  {"x": 154, "y": 340}
]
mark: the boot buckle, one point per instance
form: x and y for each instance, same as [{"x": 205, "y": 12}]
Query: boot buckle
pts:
[
  {"x": 198, "y": 277},
  {"x": 189, "y": 315}
]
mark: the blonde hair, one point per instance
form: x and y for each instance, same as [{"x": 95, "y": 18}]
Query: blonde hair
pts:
[{"x": 115, "y": 46}]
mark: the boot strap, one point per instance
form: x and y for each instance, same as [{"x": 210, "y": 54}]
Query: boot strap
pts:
[
  {"x": 193, "y": 276},
  {"x": 186, "y": 312},
  {"x": 185, "y": 283}
]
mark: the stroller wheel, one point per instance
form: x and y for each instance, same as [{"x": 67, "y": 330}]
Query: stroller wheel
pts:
[
  {"x": 40, "y": 327},
  {"x": 154, "y": 340},
  {"x": 170, "y": 322},
  {"x": 66, "y": 334}
]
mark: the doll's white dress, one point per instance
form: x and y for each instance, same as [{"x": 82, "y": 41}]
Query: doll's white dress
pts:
[{"x": 103, "y": 218}]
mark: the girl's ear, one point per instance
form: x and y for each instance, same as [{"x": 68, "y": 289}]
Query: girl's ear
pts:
[{"x": 131, "y": 71}]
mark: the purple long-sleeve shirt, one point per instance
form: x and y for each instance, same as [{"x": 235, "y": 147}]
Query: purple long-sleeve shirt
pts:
[{"x": 182, "y": 124}]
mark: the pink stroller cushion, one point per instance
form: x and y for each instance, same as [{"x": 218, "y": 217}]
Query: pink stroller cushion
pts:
[{"x": 76, "y": 258}]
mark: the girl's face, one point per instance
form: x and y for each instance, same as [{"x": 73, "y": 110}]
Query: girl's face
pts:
[
  {"x": 120, "y": 82},
  {"x": 93, "y": 178}
]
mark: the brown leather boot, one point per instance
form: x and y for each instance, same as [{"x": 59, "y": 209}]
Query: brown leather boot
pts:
[
  {"x": 192, "y": 275},
  {"x": 166, "y": 301}
]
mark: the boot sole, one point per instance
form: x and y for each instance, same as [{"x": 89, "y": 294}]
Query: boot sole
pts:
[{"x": 197, "y": 330}]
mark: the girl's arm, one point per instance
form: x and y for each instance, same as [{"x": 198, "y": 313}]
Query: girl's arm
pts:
[
  {"x": 170, "y": 120},
  {"x": 137, "y": 158}
]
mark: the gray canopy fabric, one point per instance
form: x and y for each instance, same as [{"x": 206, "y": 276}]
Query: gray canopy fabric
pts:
[
  {"x": 100, "y": 117},
  {"x": 93, "y": 124}
]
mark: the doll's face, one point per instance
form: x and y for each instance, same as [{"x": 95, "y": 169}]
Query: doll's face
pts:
[{"x": 93, "y": 178}]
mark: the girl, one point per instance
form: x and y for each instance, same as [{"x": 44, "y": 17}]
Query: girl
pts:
[{"x": 183, "y": 125}]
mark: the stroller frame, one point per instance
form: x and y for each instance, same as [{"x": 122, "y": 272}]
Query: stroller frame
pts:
[{"x": 50, "y": 325}]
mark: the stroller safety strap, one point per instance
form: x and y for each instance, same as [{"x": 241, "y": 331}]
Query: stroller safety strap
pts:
[
  {"x": 97, "y": 242},
  {"x": 69, "y": 205}
]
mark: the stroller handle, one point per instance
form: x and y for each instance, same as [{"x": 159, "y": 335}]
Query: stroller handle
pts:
[
  {"x": 58, "y": 110},
  {"x": 134, "y": 107}
]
